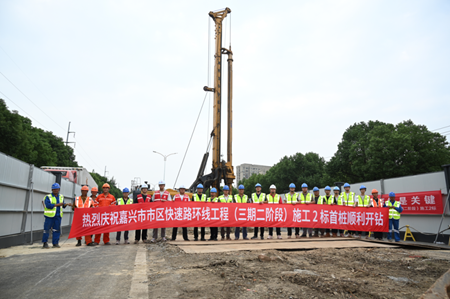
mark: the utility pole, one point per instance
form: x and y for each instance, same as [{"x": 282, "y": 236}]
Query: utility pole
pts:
[
  {"x": 105, "y": 172},
  {"x": 165, "y": 159},
  {"x": 69, "y": 132}
]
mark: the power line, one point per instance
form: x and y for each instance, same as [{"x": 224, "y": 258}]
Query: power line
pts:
[
  {"x": 23, "y": 110},
  {"x": 32, "y": 101},
  {"x": 440, "y": 128}
]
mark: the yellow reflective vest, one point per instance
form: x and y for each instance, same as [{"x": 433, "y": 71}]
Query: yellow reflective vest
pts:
[
  {"x": 197, "y": 198},
  {"x": 255, "y": 199},
  {"x": 52, "y": 212},
  {"x": 290, "y": 199},
  {"x": 238, "y": 199}
]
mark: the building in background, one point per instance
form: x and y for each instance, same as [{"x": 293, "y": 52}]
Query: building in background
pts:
[{"x": 244, "y": 171}]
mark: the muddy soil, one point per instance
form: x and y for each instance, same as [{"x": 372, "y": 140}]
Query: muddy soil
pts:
[{"x": 332, "y": 273}]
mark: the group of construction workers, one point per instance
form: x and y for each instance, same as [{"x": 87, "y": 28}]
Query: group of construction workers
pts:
[{"x": 54, "y": 202}]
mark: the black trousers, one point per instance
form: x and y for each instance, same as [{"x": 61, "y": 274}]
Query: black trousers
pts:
[
  {"x": 137, "y": 235},
  {"x": 175, "y": 230},
  {"x": 222, "y": 231},
  {"x": 262, "y": 231},
  {"x": 278, "y": 230},
  {"x": 297, "y": 231},
  {"x": 125, "y": 236},
  {"x": 202, "y": 232},
  {"x": 214, "y": 232}
]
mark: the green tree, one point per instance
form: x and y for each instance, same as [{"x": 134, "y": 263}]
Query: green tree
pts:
[
  {"x": 376, "y": 150},
  {"x": 100, "y": 180}
]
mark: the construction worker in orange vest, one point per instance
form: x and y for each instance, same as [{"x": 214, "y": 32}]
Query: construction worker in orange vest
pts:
[
  {"x": 94, "y": 192},
  {"x": 84, "y": 201},
  {"x": 105, "y": 199},
  {"x": 161, "y": 195},
  {"x": 376, "y": 203}
]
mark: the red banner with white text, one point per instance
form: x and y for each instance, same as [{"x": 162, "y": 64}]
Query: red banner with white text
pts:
[
  {"x": 200, "y": 214},
  {"x": 429, "y": 202}
]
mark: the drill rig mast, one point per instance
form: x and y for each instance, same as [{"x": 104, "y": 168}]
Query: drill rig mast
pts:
[{"x": 220, "y": 169}]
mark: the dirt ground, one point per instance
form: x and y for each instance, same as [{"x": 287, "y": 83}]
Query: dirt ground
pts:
[{"x": 334, "y": 273}]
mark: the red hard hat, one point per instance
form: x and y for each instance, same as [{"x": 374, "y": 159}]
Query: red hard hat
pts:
[
  {"x": 374, "y": 191},
  {"x": 85, "y": 188}
]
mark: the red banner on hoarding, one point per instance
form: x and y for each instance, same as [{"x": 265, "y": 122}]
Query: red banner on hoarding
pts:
[
  {"x": 429, "y": 202},
  {"x": 200, "y": 214}
]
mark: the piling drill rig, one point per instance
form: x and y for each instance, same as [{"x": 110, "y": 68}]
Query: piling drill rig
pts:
[{"x": 220, "y": 169}]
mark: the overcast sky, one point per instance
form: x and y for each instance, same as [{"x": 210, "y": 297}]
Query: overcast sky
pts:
[{"x": 129, "y": 76}]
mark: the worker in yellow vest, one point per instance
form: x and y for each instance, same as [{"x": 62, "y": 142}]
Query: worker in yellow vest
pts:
[
  {"x": 199, "y": 197},
  {"x": 326, "y": 199},
  {"x": 213, "y": 231},
  {"x": 347, "y": 199},
  {"x": 306, "y": 198},
  {"x": 395, "y": 209},
  {"x": 336, "y": 201},
  {"x": 273, "y": 198},
  {"x": 240, "y": 198},
  {"x": 124, "y": 200},
  {"x": 81, "y": 202},
  {"x": 362, "y": 201},
  {"x": 259, "y": 198},
  {"x": 292, "y": 199},
  {"x": 53, "y": 205},
  {"x": 225, "y": 198}
]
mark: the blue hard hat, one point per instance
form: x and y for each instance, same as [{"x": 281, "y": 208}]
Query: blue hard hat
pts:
[
  {"x": 241, "y": 187},
  {"x": 304, "y": 185},
  {"x": 346, "y": 185},
  {"x": 125, "y": 190},
  {"x": 292, "y": 185},
  {"x": 226, "y": 188},
  {"x": 391, "y": 194},
  {"x": 199, "y": 186},
  {"x": 258, "y": 185},
  {"x": 56, "y": 186},
  {"x": 315, "y": 189},
  {"x": 213, "y": 190},
  {"x": 362, "y": 187},
  {"x": 336, "y": 188},
  {"x": 328, "y": 188}
]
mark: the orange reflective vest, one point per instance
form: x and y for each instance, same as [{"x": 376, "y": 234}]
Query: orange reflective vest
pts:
[{"x": 87, "y": 204}]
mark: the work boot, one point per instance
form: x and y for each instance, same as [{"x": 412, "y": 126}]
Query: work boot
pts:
[
  {"x": 223, "y": 238},
  {"x": 228, "y": 239},
  {"x": 107, "y": 243},
  {"x": 189, "y": 240},
  {"x": 56, "y": 246},
  {"x": 245, "y": 238},
  {"x": 254, "y": 237},
  {"x": 78, "y": 243},
  {"x": 91, "y": 244},
  {"x": 45, "y": 246},
  {"x": 136, "y": 241},
  {"x": 202, "y": 239},
  {"x": 262, "y": 237},
  {"x": 195, "y": 239}
]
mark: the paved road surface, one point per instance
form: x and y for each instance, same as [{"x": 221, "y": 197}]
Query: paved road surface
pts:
[{"x": 74, "y": 272}]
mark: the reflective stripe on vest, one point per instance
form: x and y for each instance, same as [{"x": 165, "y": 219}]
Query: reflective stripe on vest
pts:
[
  {"x": 229, "y": 199},
  {"x": 238, "y": 199},
  {"x": 349, "y": 201},
  {"x": 52, "y": 212},
  {"x": 366, "y": 202},
  {"x": 215, "y": 199},
  {"x": 87, "y": 204},
  {"x": 179, "y": 198},
  {"x": 273, "y": 200},
  {"x": 290, "y": 199},
  {"x": 158, "y": 195},
  {"x": 328, "y": 201},
  {"x": 392, "y": 212},
  {"x": 196, "y": 198},
  {"x": 262, "y": 197},
  {"x": 120, "y": 201},
  {"x": 306, "y": 199}
]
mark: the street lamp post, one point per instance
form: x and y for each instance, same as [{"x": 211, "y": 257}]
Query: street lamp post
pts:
[{"x": 165, "y": 159}]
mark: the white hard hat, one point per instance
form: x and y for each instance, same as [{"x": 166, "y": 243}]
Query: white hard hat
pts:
[
  {"x": 182, "y": 187},
  {"x": 144, "y": 186},
  {"x": 273, "y": 186},
  {"x": 161, "y": 183}
]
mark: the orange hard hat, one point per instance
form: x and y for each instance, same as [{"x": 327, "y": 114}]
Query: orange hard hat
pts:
[
  {"x": 106, "y": 185},
  {"x": 85, "y": 188},
  {"x": 374, "y": 191},
  {"x": 94, "y": 189}
]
